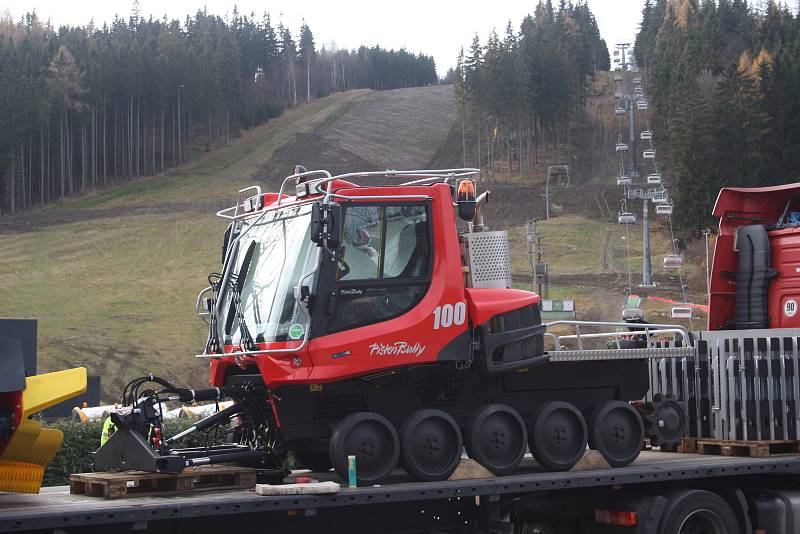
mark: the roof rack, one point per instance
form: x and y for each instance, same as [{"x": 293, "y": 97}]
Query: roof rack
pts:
[{"x": 319, "y": 182}]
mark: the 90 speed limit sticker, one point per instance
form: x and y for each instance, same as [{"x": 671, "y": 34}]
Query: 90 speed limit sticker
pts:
[{"x": 790, "y": 308}]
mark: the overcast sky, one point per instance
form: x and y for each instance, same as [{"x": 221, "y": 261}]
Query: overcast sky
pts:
[{"x": 436, "y": 27}]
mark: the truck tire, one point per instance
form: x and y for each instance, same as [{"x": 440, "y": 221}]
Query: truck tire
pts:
[
  {"x": 373, "y": 440},
  {"x": 697, "y": 511}
]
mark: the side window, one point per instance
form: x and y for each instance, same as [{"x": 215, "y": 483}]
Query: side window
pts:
[
  {"x": 360, "y": 254},
  {"x": 406, "y": 253},
  {"x": 384, "y": 263}
]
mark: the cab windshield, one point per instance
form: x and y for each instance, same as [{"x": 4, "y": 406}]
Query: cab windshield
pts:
[{"x": 265, "y": 265}]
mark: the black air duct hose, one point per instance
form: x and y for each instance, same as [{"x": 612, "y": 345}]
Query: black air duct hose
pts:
[{"x": 752, "y": 279}]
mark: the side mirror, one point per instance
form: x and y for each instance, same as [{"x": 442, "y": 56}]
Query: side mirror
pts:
[
  {"x": 326, "y": 224},
  {"x": 317, "y": 223},
  {"x": 230, "y": 235}
]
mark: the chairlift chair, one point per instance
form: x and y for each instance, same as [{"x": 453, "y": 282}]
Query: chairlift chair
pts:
[
  {"x": 681, "y": 312},
  {"x": 619, "y": 96},
  {"x": 659, "y": 196},
  {"x": 646, "y": 135},
  {"x": 634, "y": 69},
  {"x": 632, "y": 314},
  {"x": 664, "y": 209},
  {"x": 622, "y": 147},
  {"x": 626, "y": 218},
  {"x": 619, "y": 111},
  {"x": 618, "y": 78},
  {"x": 649, "y": 154},
  {"x": 617, "y": 68},
  {"x": 637, "y": 80},
  {"x": 642, "y": 104},
  {"x": 616, "y": 52},
  {"x": 623, "y": 180},
  {"x": 638, "y": 90},
  {"x": 654, "y": 179},
  {"x": 673, "y": 261}
]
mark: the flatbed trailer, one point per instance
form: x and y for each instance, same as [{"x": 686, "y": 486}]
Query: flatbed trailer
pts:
[{"x": 529, "y": 498}]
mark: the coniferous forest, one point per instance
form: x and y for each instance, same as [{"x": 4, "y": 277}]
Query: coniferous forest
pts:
[
  {"x": 80, "y": 106},
  {"x": 725, "y": 78},
  {"x": 518, "y": 93}
]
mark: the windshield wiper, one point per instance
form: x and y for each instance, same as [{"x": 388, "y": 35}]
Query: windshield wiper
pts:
[{"x": 236, "y": 301}]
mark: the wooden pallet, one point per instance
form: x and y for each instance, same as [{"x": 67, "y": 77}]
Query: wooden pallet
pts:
[
  {"x": 114, "y": 485},
  {"x": 746, "y": 448}
]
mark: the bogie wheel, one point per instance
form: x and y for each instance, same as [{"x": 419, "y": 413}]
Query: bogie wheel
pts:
[
  {"x": 430, "y": 445},
  {"x": 697, "y": 512},
  {"x": 374, "y": 442},
  {"x": 557, "y": 435},
  {"x": 497, "y": 437},
  {"x": 617, "y": 432}
]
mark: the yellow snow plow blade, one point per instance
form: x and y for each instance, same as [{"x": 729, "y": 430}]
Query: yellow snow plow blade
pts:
[{"x": 31, "y": 447}]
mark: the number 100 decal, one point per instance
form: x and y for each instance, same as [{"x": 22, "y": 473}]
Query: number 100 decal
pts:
[{"x": 448, "y": 315}]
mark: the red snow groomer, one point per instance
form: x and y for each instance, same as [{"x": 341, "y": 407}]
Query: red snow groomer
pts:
[{"x": 372, "y": 314}]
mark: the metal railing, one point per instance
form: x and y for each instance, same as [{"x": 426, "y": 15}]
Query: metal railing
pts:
[
  {"x": 679, "y": 335},
  {"x": 322, "y": 185}
]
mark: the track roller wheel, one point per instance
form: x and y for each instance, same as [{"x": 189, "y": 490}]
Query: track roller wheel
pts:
[
  {"x": 557, "y": 435},
  {"x": 430, "y": 444},
  {"x": 617, "y": 432},
  {"x": 496, "y": 438},
  {"x": 374, "y": 442}
]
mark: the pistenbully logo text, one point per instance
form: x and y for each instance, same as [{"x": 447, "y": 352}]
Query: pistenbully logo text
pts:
[{"x": 398, "y": 348}]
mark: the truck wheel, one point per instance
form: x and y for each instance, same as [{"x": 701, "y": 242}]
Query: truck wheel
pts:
[
  {"x": 497, "y": 437},
  {"x": 617, "y": 432},
  {"x": 557, "y": 435},
  {"x": 697, "y": 512},
  {"x": 372, "y": 439},
  {"x": 430, "y": 445}
]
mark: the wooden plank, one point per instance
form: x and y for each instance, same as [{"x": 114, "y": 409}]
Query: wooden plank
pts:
[
  {"x": 747, "y": 448},
  {"x": 115, "y": 485}
]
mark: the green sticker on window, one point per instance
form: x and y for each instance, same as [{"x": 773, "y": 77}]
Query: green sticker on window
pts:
[{"x": 296, "y": 331}]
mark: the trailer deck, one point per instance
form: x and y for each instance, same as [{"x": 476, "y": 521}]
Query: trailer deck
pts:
[{"x": 56, "y": 508}]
